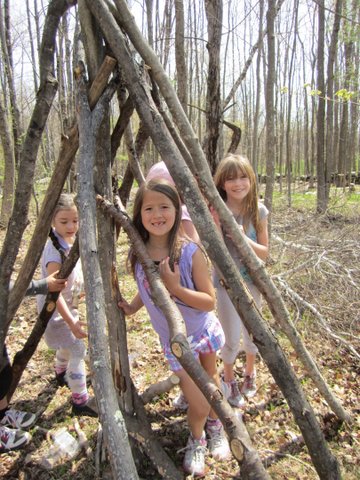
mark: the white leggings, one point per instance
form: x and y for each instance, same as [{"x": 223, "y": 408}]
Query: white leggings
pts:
[
  {"x": 72, "y": 361},
  {"x": 233, "y": 326}
]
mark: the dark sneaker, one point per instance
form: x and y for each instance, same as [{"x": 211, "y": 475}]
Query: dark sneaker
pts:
[
  {"x": 18, "y": 419},
  {"x": 11, "y": 439},
  {"x": 88, "y": 409},
  {"x": 61, "y": 379}
]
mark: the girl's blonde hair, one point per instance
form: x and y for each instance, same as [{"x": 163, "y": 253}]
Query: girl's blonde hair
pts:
[
  {"x": 232, "y": 166},
  {"x": 176, "y": 233},
  {"x": 66, "y": 202}
]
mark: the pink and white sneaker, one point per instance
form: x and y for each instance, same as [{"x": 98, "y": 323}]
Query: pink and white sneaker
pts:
[
  {"x": 194, "y": 460},
  {"x": 17, "y": 419},
  {"x": 11, "y": 439}
]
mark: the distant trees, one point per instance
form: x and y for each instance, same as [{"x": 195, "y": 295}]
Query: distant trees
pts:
[
  {"x": 222, "y": 99},
  {"x": 217, "y": 51}
]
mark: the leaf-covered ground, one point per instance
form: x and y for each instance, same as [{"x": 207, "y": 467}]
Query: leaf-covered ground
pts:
[{"x": 316, "y": 257}]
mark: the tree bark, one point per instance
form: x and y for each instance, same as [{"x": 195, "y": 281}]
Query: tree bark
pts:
[
  {"x": 112, "y": 421},
  {"x": 181, "y": 71},
  {"x": 330, "y": 88},
  {"x": 322, "y": 195},
  {"x": 270, "y": 108},
  {"x": 214, "y": 13},
  {"x": 7, "y": 53},
  {"x": 9, "y": 168}
]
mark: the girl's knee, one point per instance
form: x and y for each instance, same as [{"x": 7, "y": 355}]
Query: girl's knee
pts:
[
  {"x": 200, "y": 409},
  {"x": 229, "y": 353},
  {"x": 78, "y": 350}
]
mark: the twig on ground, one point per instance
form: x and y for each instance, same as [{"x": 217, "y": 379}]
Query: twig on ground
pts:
[
  {"x": 83, "y": 441},
  {"x": 160, "y": 387},
  {"x": 98, "y": 451},
  {"x": 287, "y": 455}
]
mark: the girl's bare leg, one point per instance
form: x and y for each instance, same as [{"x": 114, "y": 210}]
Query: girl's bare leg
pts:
[{"x": 199, "y": 408}]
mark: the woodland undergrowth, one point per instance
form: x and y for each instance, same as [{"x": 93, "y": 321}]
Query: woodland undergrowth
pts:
[{"x": 315, "y": 262}]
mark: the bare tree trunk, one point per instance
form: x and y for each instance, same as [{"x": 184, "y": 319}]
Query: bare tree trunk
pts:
[
  {"x": 150, "y": 25},
  {"x": 354, "y": 106},
  {"x": 254, "y": 149},
  {"x": 214, "y": 13},
  {"x": 289, "y": 122},
  {"x": 322, "y": 197},
  {"x": 32, "y": 45},
  {"x": 106, "y": 250},
  {"x": 345, "y": 161},
  {"x": 112, "y": 421},
  {"x": 9, "y": 168},
  {"x": 330, "y": 157},
  {"x": 269, "y": 104},
  {"x": 180, "y": 56},
  {"x": 6, "y": 47}
]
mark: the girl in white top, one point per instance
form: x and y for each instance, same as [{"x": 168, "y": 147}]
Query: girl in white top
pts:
[
  {"x": 236, "y": 182},
  {"x": 65, "y": 332}
]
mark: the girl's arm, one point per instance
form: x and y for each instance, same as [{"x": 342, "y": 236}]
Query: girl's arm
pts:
[
  {"x": 203, "y": 297},
  {"x": 75, "y": 325},
  {"x": 133, "y": 307},
  {"x": 261, "y": 247}
]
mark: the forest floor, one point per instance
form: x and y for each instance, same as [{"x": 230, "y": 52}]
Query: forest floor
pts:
[{"x": 315, "y": 256}]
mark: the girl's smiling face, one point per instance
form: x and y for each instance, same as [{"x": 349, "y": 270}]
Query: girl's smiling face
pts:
[
  {"x": 157, "y": 213},
  {"x": 237, "y": 187},
  {"x": 66, "y": 223}
]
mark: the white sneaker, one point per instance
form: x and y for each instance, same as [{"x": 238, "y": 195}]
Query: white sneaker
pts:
[
  {"x": 232, "y": 393},
  {"x": 180, "y": 402},
  {"x": 11, "y": 439},
  {"x": 194, "y": 460},
  {"x": 218, "y": 444},
  {"x": 18, "y": 419}
]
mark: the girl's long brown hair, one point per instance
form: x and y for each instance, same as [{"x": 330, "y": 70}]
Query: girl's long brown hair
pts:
[
  {"x": 231, "y": 167},
  {"x": 176, "y": 234},
  {"x": 66, "y": 202}
]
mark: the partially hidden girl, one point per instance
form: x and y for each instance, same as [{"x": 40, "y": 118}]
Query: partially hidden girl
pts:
[
  {"x": 157, "y": 217},
  {"x": 236, "y": 182},
  {"x": 65, "y": 332}
]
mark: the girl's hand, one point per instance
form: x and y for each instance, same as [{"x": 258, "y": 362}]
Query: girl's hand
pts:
[
  {"x": 55, "y": 284},
  {"x": 170, "y": 278},
  {"x": 133, "y": 307},
  {"x": 127, "y": 307},
  {"x": 77, "y": 330}
]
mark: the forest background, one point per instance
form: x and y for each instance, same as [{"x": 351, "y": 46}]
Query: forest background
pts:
[{"x": 278, "y": 81}]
